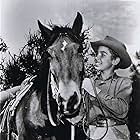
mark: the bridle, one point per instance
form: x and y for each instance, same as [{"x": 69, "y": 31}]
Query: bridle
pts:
[
  {"x": 101, "y": 108},
  {"x": 57, "y": 34},
  {"x": 61, "y": 117},
  {"x": 67, "y": 33},
  {"x": 61, "y": 114}
]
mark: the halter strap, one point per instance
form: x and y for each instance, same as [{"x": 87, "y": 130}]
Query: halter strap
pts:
[{"x": 54, "y": 87}]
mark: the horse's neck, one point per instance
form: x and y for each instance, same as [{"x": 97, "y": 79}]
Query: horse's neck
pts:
[{"x": 35, "y": 115}]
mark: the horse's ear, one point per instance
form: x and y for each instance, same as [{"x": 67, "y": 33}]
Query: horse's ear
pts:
[
  {"x": 78, "y": 23},
  {"x": 44, "y": 30}
]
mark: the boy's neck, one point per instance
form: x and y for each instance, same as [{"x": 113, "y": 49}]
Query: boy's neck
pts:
[{"x": 106, "y": 74}]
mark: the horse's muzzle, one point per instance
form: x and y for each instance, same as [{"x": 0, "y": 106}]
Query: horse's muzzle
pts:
[{"x": 68, "y": 108}]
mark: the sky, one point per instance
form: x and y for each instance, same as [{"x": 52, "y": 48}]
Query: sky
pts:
[{"x": 117, "y": 18}]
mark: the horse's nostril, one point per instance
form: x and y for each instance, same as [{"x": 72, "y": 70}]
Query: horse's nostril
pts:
[
  {"x": 60, "y": 99},
  {"x": 75, "y": 93},
  {"x": 72, "y": 101}
]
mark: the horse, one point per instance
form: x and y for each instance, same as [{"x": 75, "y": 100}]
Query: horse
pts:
[
  {"x": 45, "y": 106},
  {"x": 134, "y": 111}
]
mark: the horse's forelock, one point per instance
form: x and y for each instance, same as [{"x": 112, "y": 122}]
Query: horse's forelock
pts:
[{"x": 57, "y": 30}]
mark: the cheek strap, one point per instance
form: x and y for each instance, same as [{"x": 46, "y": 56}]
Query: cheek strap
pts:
[{"x": 54, "y": 87}]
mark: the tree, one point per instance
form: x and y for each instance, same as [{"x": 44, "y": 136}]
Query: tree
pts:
[
  {"x": 23, "y": 65},
  {"x": 134, "y": 110},
  {"x": 3, "y": 46},
  {"x": 3, "y": 49}
]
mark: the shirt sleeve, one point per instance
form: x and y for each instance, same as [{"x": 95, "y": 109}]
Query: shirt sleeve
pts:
[
  {"x": 117, "y": 105},
  {"x": 9, "y": 93}
]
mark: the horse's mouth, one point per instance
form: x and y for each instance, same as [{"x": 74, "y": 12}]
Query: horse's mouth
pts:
[{"x": 70, "y": 113}]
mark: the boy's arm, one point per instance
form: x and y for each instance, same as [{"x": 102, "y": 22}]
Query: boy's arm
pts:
[
  {"x": 9, "y": 93},
  {"x": 119, "y": 104}
]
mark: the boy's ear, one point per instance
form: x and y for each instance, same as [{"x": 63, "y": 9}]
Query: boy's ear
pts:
[{"x": 116, "y": 61}]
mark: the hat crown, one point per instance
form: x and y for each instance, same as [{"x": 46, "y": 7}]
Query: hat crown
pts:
[{"x": 120, "y": 44}]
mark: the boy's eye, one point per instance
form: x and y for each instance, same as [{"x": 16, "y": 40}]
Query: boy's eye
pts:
[{"x": 102, "y": 54}]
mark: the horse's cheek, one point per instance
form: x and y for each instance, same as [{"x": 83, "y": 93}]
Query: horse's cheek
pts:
[
  {"x": 19, "y": 121},
  {"x": 36, "y": 117}
]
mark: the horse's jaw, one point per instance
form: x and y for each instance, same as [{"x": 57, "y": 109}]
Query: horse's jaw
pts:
[
  {"x": 35, "y": 115},
  {"x": 77, "y": 118}
]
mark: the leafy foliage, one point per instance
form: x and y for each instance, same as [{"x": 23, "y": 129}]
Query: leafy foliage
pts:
[
  {"x": 3, "y": 46},
  {"x": 25, "y": 64},
  {"x": 90, "y": 70},
  {"x": 13, "y": 74}
]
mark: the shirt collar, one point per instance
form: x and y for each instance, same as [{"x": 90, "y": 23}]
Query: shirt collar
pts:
[{"x": 113, "y": 77}]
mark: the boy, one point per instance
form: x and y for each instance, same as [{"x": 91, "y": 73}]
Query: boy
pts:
[{"x": 113, "y": 92}]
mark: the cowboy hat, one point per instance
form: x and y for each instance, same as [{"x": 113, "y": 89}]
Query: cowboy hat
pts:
[{"x": 117, "y": 47}]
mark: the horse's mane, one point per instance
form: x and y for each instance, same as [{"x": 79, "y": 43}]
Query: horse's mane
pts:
[{"x": 68, "y": 30}]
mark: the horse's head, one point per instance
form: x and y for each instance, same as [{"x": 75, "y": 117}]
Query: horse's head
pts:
[{"x": 65, "y": 46}]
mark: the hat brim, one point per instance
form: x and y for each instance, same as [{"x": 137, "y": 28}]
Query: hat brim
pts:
[{"x": 121, "y": 51}]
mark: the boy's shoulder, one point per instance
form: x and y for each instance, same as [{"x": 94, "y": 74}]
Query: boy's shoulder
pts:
[{"x": 123, "y": 79}]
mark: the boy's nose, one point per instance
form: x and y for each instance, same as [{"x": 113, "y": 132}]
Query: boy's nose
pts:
[
  {"x": 99, "y": 55},
  {"x": 97, "y": 58}
]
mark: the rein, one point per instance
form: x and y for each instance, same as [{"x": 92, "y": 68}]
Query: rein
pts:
[
  {"x": 61, "y": 115},
  {"x": 48, "y": 101},
  {"x": 56, "y": 96},
  {"x": 101, "y": 108}
]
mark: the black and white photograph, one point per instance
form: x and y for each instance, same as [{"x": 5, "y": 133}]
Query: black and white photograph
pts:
[{"x": 70, "y": 70}]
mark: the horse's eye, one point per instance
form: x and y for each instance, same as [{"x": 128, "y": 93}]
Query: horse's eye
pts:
[
  {"x": 80, "y": 49},
  {"x": 48, "y": 54}
]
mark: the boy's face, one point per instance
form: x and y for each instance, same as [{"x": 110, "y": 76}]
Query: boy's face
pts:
[{"x": 104, "y": 59}]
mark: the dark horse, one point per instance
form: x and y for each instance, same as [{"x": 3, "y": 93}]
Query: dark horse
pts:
[
  {"x": 134, "y": 111},
  {"x": 55, "y": 94}
]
